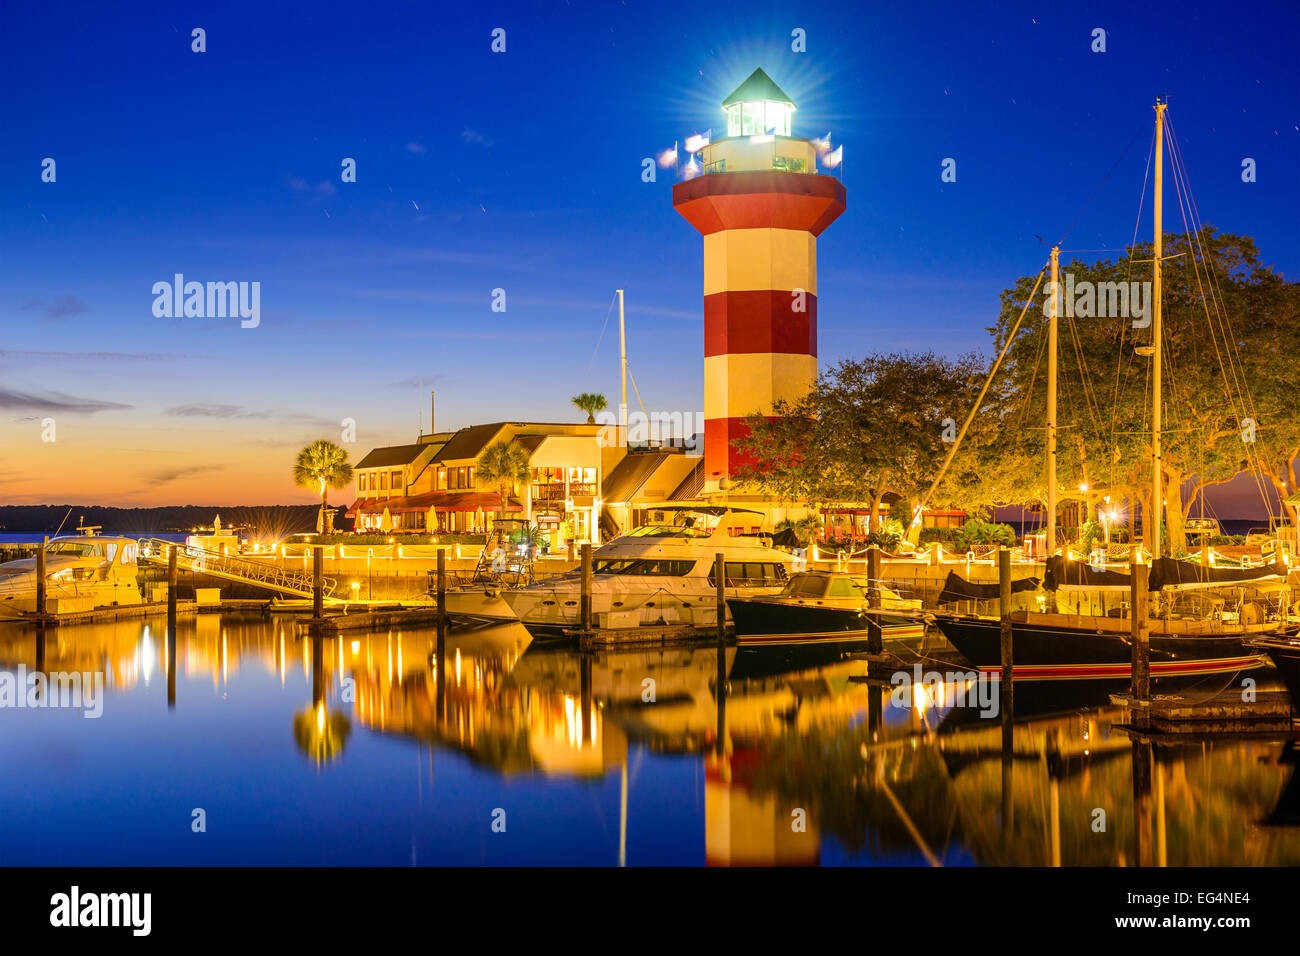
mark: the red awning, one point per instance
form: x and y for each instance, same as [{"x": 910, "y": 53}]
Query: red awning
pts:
[
  {"x": 441, "y": 500},
  {"x": 362, "y": 504}
]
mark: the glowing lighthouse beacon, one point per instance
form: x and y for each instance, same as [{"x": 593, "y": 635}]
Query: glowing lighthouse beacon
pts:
[{"x": 760, "y": 206}]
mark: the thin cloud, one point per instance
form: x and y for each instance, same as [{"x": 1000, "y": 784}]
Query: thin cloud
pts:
[
  {"x": 416, "y": 381},
  {"x": 473, "y": 137},
  {"x": 173, "y": 474},
  {"x": 64, "y": 307},
  {"x": 92, "y": 356},
  {"x": 213, "y": 410},
  {"x": 55, "y": 402},
  {"x": 419, "y": 149}
]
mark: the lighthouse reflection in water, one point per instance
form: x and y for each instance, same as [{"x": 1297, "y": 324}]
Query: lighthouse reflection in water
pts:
[{"x": 387, "y": 749}]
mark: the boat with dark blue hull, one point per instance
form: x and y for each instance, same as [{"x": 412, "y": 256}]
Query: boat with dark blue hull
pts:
[
  {"x": 1284, "y": 651},
  {"x": 824, "y": 606},
  {"x": 1064, "y": 647}
]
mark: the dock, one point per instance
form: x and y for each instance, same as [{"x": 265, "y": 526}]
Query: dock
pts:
[
  {"x": 371, "y": 619},
  {"x": 1269, "y": 713},
  {"x": 101, "y": 615}
]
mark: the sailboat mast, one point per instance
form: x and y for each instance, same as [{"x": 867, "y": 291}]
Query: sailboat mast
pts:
[
  {"x": 622, "y": 364},
  {"x": 1157, "y": 339},
  {"x": 1053, "y": 324}
]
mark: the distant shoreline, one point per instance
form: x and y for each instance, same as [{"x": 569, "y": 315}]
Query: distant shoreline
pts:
[{"x": 277, "y": 520}]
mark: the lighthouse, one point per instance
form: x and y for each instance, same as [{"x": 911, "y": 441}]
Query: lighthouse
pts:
[{"x": 760, "y": 205}]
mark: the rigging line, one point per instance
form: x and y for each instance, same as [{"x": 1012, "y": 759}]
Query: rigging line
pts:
[
  {"x": 1084, "y": 377},
  {"x": 1100, "y": 186},
  {"x": 1011, "y": 337},
  {"x": 632, "y": 379},
  {"x": 601, "y": 337},
  {"x": 1225, "y": 321},
  {"x": 1137, "y": 222},
  {"x": 1236, "y": 367},
  {"x": 1033, "y": 378}
]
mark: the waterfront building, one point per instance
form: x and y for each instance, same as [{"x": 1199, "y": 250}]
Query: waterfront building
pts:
[{"x": 433, "y": 485}]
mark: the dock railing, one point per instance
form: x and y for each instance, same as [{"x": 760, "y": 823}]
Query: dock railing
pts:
[{"x": 234, "y": 568}]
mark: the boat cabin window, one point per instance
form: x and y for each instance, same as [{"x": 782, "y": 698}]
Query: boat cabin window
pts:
[
  {"x": 843, "y": 588},
  {"x": 659, "y": 566},
  {"x": 805, "y": 585},
  {"x": 81, "y": 549},
  {"x": 751, "y": 574},
  {"x": 667, "y": 531}
]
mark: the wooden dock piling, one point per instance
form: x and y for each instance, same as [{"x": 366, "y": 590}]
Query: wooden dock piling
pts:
[
  {"x": 171, "y": 590},
  {"x": 720, "y": 582},
  {"x": 442, "y": 595},
  {"x": 40, "y": 582},
  {"x": 1006, "y": 690},
  {"x": 317, "y": 583},
  {"x": 584, "y": 607},
  {"x": 1140, "y": 681},
  {"x": 875, "y": 637}
]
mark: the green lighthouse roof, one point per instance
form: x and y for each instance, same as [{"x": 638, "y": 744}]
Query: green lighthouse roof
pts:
[{"x": 759, "y": 86}]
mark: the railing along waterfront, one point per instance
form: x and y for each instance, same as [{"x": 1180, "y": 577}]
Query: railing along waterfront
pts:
[{"x": 246, "y": 570}]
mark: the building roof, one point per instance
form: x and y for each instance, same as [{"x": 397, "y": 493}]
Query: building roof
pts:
[
  {"x": 691, "y": 485},
  {"x": 392, "y": 455},
  {"x": 630, "y": 474},
  {"x": 469, "y": 442},
  {"x": 530, "y": 442},
  {"x": 759, "y": 86}
]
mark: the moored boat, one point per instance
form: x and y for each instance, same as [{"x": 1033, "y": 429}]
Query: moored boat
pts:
[
  {"x": 1059, "y": 646},
  {"x": 658, "y": 575},
  {"x": 823, "y": 606},
  {"x": 1284, "y": 651},
  {"x": 82, "y": 572}
]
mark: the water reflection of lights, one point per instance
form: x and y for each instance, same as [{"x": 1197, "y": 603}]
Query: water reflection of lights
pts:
[{"x": 144, "y": 656}]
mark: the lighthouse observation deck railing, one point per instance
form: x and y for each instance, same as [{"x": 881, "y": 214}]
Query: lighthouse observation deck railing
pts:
[{"x": 234, "y": 568}]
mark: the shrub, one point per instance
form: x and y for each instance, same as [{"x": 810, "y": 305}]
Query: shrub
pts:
[{"x": 977, "y": 531}]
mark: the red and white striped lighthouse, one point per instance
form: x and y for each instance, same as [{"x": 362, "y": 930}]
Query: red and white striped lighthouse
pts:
[{"x": 760, "y": 206}]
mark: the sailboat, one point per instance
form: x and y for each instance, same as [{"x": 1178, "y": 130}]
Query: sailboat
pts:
[{"x": 1059, "y": 643}]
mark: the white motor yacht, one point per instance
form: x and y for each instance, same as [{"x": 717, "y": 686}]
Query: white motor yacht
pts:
[
  {"x": 658, "y": 574},
  {"x": 82, "y": 572}
]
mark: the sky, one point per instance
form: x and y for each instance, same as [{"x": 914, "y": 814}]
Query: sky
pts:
[{"x": 521, "y": 171}]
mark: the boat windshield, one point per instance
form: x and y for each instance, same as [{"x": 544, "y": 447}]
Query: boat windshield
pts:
[
  {"x": 667, "y": 531},
  {"x": 667, "y": 568},
  {"x": 81, "y": 549},
  {"x": 804, "y": 585}
]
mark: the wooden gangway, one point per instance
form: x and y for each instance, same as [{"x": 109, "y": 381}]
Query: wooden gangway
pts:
[{"x": 251, "y": 571}]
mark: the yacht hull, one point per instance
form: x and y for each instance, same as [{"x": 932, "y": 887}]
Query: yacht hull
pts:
[
  {"x": 1285, "y": 654},
  {"x": 767, "y": 621},
  {"x": 1044, "y": 652}
]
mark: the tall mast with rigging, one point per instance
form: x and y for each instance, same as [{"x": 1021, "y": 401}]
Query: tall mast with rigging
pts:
[
  {"x": 1052, "y": 333},
  {"x": 622, "y": 365},
  {"x": 1157, "y": 339}
]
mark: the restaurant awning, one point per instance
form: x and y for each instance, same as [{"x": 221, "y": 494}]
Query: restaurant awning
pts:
[
  {"x": 441, "y": 500},
  {"x": 364, "y": 504}
]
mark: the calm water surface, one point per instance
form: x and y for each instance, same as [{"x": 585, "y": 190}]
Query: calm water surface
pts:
[{"x": 365, "y": 750}]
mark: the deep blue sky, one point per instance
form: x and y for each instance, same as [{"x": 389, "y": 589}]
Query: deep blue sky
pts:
[{"x": 522, "y": 171}]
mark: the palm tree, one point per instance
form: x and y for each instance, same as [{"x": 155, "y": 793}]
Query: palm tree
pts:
[
  {"x": 322, "y": 465},
  {"x": 508, "y": 465},
  {"x": 591, "y": 403}
]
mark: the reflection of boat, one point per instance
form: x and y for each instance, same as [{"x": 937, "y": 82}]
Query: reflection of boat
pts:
[
  {"x": 822, "y": 605},
  {"x": 81, "y": 572},
  {"x": 1285, "y": 654},
  {"x": 658, "y": 574},
  {"x": 1099, "y": 649}
]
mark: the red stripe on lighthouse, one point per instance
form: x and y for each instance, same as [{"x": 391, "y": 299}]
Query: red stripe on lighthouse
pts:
[{"x": 761, "y": 321}]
